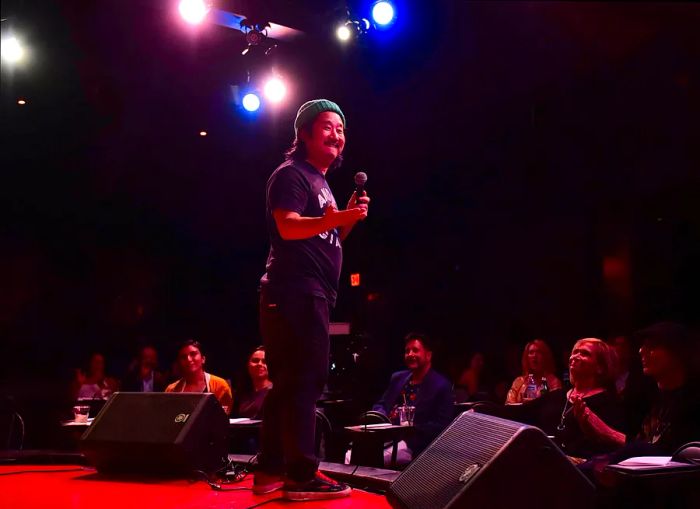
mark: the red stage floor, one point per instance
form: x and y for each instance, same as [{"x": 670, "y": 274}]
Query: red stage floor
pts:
[{"x": 42, "y": 487}]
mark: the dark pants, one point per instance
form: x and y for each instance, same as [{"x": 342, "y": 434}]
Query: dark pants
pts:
[{"x": 294, "y": 328}]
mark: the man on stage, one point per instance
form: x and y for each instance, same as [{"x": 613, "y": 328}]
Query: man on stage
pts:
[{"x": 300, "y": 285}]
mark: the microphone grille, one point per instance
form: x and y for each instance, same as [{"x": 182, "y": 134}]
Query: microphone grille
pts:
[{"x": 360, "y": 178}]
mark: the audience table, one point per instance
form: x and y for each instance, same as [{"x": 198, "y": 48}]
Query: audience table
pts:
[{"x": 368, "y": 442}]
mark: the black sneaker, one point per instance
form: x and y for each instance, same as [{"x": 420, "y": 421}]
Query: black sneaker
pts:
[
  {"x": 320, "y": 487},
  {"x": 266, "y": 483}
]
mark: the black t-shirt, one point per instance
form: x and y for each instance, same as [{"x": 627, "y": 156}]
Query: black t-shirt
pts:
[
  {"x": 306, "y": 266},
  {"x": 674, "y": 419}
]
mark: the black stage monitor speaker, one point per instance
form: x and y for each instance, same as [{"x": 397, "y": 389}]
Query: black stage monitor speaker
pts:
[
  {"x": 157, "y": 433},
  {"x": 481, "y": 461}
]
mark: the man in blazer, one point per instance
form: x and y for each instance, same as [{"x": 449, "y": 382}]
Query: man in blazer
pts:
[{"x": 422, "y": 387}]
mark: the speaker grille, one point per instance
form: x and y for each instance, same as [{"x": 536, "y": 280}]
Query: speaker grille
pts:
[{"x": 472, "y": 439}]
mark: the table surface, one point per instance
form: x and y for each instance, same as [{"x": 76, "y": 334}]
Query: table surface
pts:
[
  {"x": 75, "y": 487},
  {"x": 376, "y": 428},
  {"x": 235, "y": 422}
]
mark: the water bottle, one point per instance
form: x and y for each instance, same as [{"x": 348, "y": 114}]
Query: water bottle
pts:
[
  {"x": 530, "y": 388},
  {"x": 544, "y": 387}
]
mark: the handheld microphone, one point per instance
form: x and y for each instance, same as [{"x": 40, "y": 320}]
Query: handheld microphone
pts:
[{"x": 360, "y": 181}]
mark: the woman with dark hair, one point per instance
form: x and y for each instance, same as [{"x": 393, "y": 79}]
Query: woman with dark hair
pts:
[
  {"x": 537, "y": 361},
  {"x": 190, "y": 361},
  {"x": 255, "y": 386}
]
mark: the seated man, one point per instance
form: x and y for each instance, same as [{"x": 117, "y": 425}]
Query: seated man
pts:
[
  {"x": 422, "y": 387},
  {"x": 191, "y": 362},
  {"x": 668, "y": 353},
  {"x": 144, "y": 376}
]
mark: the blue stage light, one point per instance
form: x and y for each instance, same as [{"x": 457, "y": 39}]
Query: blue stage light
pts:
[
  {"x": 383, "y": 13},
  {"x": 251, "y": 102}
]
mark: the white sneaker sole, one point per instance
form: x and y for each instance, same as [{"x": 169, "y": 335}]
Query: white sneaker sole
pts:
[
  {"x": 267, "y": 488},
  {"x": 302, "y": 496}
]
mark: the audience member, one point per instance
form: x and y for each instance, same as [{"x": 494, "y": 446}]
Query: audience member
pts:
[
  {"x": 256, "y": 385},
  {"x": 565, "y": 415},
  {"x": 538, "y": 361},
  {"x": 144, "y": 375},
  {"x": 91, "y": 382},
  {"x": 423, "y": 388},
  {"x": 674, "y": 419},
  {"x": 668, "y": 356},
  {"x": 474, "y": 383},
  {"x": 635, "y": 390},
  {"x": 191, "y": 362}
]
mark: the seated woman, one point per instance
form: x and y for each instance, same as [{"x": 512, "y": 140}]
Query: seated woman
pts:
[
  {"x": 256, "y": 385},
  {"x": 537, "y": 361},
  {"x": 92, "y": 382},
  {"x": 190, "y": 361},
  {"x": 564, "y": 415},
  {"x": 472, "y": 382}
]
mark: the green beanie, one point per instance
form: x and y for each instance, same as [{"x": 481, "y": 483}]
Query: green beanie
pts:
[{"x": 311, "y": 109}]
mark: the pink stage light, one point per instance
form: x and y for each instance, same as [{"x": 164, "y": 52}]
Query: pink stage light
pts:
[
  {"x": 275, "y": 90},
  {"x": 193, "y": 11}
]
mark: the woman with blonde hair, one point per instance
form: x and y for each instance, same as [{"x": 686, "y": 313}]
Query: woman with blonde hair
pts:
[
  {"x": 537, "y": 361},
  {"x": 565, "y": 415}
]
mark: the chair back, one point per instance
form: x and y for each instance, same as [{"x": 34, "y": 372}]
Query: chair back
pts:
[
  {"x": 373, "y": 417},
  {"x": 11, "y": 431},
  {"x": 323, "y": 431}
]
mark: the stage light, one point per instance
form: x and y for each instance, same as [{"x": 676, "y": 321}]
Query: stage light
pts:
[
  {"x": 275, "y": 90},
  {"x": 21, "y": 102},
  {"x": 193, "y": 11},
  {"x": 202, "y": 133},
  {"x": 383, "y": 13},
  {"x": 251, "y": 102},
  {"x": 11, "y": 49},
  {"x": 343, "y": 33}
]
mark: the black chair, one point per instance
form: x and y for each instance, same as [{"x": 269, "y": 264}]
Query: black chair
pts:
[
  {"x": 373, "y": 417},
  {"x": 323, "y": 431},
  {"x": 11, "y": 429},
  {"x": 369, "y": 451}
]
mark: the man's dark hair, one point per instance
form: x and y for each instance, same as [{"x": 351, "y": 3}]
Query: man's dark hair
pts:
[
  {"x": 297, "y": 151},
  {"x": 423, "y": 338},
  {"x": 190, "y": 342},
  {"x": 675, "y": 338}
]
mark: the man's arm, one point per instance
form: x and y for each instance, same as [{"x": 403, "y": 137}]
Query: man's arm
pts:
[{"x": 293, "y": 226}]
